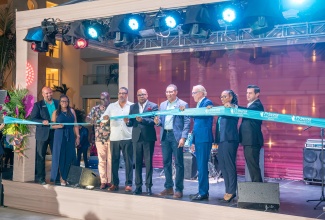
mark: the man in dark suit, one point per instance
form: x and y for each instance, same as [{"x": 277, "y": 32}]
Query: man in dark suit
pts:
[
  {"x": 143, "y": 138},
  {"x": 202, "y": 142},
  {"x": 42, "y": 112},
  {"x": 250, "y": 134},
  {"x": 173, "y": 133}
]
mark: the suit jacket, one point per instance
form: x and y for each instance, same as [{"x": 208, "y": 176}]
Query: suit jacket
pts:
[
  {"x": 181, "y": 124},
  {"x": 228, "y": 129},
  {"x": 39, "y": 114},
  {"x": 250, "y": 133},
  {"x": 145, "y": 129},
  {"x": 202, "y": 129}
]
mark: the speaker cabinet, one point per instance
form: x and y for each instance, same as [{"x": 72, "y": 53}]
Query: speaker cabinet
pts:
[
  {"x": 313, "y": 161},
  {"x": 190, "y": 166},
  {"x": 261, "y": 196},
  {"x": 82, "y": 177}
]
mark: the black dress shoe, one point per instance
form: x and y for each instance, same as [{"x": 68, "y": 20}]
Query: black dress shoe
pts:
[
  {"x": 199, "y": 197},
  {"x": 137, "y": 191},
  {"x": 42, "y": 182},
  {"x": 149, "y": 192},
  {"x": 229, "y": 200},
  {"x": 194, "y": 195}
]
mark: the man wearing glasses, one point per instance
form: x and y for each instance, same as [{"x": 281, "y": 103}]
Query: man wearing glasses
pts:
[
  {"x": 143, "y": 138},
  {"x": 120, "y": 138},
  {"x": 102, "y": 131},
  {"x": 202, "y": 142},
  {"x": 173, "y": 133}
]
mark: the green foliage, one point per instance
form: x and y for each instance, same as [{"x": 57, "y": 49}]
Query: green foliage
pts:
[{"x": 7, "y": 40}]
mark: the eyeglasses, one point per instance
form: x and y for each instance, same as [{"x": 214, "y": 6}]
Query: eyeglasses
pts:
[
  {"x": 64, "y": 101},
  {"x": 103, "y": 99},
  {"x": 170, "y": 92},
  {"x": 141, "y": 95},
  {"x": 122, "y": 93},
  {"x": 194, "y": 93},
  {"x": 223, "y": 97}
]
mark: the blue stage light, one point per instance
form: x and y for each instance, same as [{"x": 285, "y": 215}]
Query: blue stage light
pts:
[
  {"x": 297, "y": 1},
  {"x": 92, "y": 32},
  {"x": 170, "y": 22},
  {"x": 229, "y": 15},
  {"x": 133, "y": 24}
]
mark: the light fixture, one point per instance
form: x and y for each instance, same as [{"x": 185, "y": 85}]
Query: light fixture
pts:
[
  {"x": 124, "y": 28},
  {"x": 200, "y": 21},
  {"x": 80, "y": 43},
  {"x": 49, "y": 29},
  {"x": 261, "y": 16},
  {"x": 229, "y": 15},
  {"x": 167, "y": 20},
  {"x": 39, "y": 46}
]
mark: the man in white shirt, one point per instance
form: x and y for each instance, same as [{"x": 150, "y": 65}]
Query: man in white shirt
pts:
[{"x": 120, "y": 139}]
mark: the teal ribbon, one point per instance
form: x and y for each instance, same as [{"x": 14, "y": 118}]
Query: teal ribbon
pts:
[
  {"x": 236, "y": 112},
  {"x": 215, "y": 111},
  {"x": 11, "y": 120}
]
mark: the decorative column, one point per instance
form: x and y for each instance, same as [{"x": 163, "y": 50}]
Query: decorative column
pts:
[
  {"x": 126, "y": 73},
  {"x": 24, "y": 168}
]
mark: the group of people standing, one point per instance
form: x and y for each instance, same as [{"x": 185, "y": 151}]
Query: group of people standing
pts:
[
  {"x": 135, "y": 138},
  {"x": 62, "y": 138}
]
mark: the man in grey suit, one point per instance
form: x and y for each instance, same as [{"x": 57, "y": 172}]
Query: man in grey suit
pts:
[{"x": 173, "y": 133}]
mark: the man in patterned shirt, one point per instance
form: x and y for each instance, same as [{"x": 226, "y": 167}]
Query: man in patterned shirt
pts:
[{"x": 102, "y": 132}]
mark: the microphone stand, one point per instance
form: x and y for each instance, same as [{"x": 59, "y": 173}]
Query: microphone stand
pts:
[{"x": 322, "y": 198}]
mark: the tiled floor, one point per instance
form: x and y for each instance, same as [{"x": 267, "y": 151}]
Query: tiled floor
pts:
[{"x": 293, "y": 196}]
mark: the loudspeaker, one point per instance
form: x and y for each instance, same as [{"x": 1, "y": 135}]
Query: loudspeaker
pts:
[
  {"x": 258, "y": 195},
  {"x": 190, "y": 166},
  {"x": 247, "y": 175},
  {"x": 82, "y": 177},
  {"x": 312, "y": 169}
]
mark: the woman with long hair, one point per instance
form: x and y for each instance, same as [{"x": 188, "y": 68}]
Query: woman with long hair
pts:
[
  {"x": 66, "y": 138},
  {"x": 228, "y": 139}
]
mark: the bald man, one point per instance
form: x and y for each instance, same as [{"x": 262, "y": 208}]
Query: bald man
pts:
[
  {"x": 44, "y": 135},
  {"x": 143, "y": 139}
]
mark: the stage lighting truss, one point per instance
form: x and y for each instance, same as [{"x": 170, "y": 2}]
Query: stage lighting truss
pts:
[
  {"x": 284, "y": 34},
  {"x": 165, "y": 21}
]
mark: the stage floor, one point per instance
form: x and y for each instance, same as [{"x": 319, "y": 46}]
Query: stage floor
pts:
[{"x": 293, "y": 194}]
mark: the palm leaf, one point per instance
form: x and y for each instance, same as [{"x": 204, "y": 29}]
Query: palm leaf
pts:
[{"x": 7, "y": 40}]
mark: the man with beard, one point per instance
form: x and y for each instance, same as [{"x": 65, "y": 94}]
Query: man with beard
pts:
[
  {"x": 120, "y": 138},
  {"x": 42, "y": 112},
  {"x": 102, "y": 132}
]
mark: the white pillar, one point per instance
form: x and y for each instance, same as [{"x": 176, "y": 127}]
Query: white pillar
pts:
[
  {"x": 126, "y": 73},
  {"x": 24, "y": 169}
]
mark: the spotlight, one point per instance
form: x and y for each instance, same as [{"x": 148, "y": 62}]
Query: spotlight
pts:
[
  {"x": 94, "y": 30},
  {"x": 39, "y": 47},
  {"x": 34, "y": 34},
  {"x": 133, "y": 24},
  {"x": 81, "y": 43},
  {"x": 261, "y": 16},
  {"x": 167, "y": 20},
  {"x": 229, "y": 15},
  {"x": 124, "y": 28},
  {"x": 200, "y": 21}
]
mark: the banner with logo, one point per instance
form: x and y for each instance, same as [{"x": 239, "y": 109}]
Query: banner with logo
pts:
[{"x": 215, "y": 111}]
